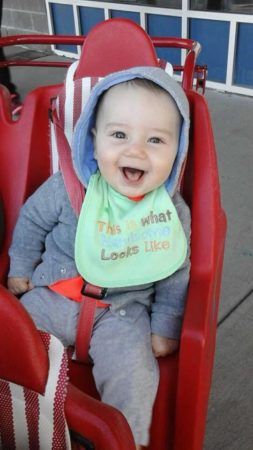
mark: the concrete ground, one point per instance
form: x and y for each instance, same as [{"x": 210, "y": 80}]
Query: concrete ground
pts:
[{"x": 230, "y": 418}]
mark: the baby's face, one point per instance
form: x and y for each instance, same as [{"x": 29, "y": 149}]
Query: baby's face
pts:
[{"x": 136, "y": 138}]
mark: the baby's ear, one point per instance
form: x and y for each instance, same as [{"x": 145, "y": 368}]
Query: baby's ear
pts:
[{"x": 94, "y": 133}]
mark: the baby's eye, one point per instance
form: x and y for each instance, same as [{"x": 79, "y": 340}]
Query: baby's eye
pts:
[
  {"x": 119, "y": 135},
  {"x": 155, "y": 140}
]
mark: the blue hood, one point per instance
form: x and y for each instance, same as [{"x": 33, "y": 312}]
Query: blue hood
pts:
[{"x": 82, "y": 145}]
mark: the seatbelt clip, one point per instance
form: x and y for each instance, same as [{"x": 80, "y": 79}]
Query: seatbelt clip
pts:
[{"x": 96, "y": 292}]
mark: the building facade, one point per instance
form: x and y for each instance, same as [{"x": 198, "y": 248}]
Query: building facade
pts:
[
  {"x": 223, "y": 27},
  {"x": 24, "y": 17}
]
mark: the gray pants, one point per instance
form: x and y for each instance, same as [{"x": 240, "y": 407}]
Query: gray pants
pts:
[{"x": 125, "y": 370}]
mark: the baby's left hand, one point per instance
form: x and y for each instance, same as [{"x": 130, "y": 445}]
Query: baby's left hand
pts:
[{"x": 163, "y": 346}]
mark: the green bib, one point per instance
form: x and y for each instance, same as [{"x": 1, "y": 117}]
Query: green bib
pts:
[{"x": 120, "y": 242}]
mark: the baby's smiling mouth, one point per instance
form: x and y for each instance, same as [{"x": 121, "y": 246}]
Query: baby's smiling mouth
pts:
[{"x": 132, "y": 174}]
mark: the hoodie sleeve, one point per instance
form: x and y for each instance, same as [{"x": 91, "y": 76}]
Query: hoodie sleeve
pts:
[
  {"x": 37, "y": 218},
  {"x": 170, "y": 294}
]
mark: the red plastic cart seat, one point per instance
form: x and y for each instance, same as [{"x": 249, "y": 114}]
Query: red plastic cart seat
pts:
[
  {"x": 24, "y": 361},
  {"x": 116, "y": 45},
  {"x": 181, "y": 404}
]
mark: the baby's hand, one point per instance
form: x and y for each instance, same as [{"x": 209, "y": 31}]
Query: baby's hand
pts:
[
  {"x": 18, "y": 285},
  {"x": 163, "y": 346}
]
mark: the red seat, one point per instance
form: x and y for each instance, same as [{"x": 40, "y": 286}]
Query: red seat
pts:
[
  {"x": 181, "y": 404},
  {"x": 24, "y": 361},
  {"x": 25, "y": 156},
  {"x": 185, "y": 378}
]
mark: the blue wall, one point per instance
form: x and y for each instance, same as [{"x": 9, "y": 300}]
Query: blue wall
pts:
[
  {"x": 243, "y": 73},
  {"x": 63, "y": 23},
  {"x": 89, "y": 17},
  {"x": 158, "y": 25},
  {"x": 134, "y": 16},
  {"x": 213, "y": 36}
]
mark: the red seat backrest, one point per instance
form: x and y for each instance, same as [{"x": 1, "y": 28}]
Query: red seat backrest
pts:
[{"x": 115, "y": 45}]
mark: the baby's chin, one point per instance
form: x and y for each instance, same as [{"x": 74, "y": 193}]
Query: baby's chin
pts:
[{"x": 132, "y": 192}]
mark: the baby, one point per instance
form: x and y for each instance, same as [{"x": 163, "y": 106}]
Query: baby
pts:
[{"x": 132, "y": 237}]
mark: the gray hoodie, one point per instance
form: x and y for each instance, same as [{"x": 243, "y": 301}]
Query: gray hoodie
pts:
[{"x": 44, "y": 237}]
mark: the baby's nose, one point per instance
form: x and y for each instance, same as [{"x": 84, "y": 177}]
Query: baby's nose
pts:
[{"x": 137, "y": 150}]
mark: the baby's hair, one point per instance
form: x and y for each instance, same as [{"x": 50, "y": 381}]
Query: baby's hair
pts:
[
  {"x": 143, "y": 83},
  {"x": 147, "y": 84}
]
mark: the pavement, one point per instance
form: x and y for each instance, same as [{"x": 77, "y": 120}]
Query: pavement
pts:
[{"x": 230, "y": 417}]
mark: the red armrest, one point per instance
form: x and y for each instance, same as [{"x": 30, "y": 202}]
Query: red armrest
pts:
[
  {"x": 106, "y": 427},
  {"x": 208, "y": 237},
  {"x": 23, "y": 360}
]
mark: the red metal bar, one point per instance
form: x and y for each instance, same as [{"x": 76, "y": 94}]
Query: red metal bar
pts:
[
  {"x": 20, "y": 39},
  {"x": 189, "y": 69},
  {"x": 32, "y": 63},
  {"x": 188, "y": 44},
  {"x": 47, "y": 39},
  {"x": 193, "y": 48}
]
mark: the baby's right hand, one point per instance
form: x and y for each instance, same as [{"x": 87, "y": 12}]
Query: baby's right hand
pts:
[{"x": 18, "y": 285}]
